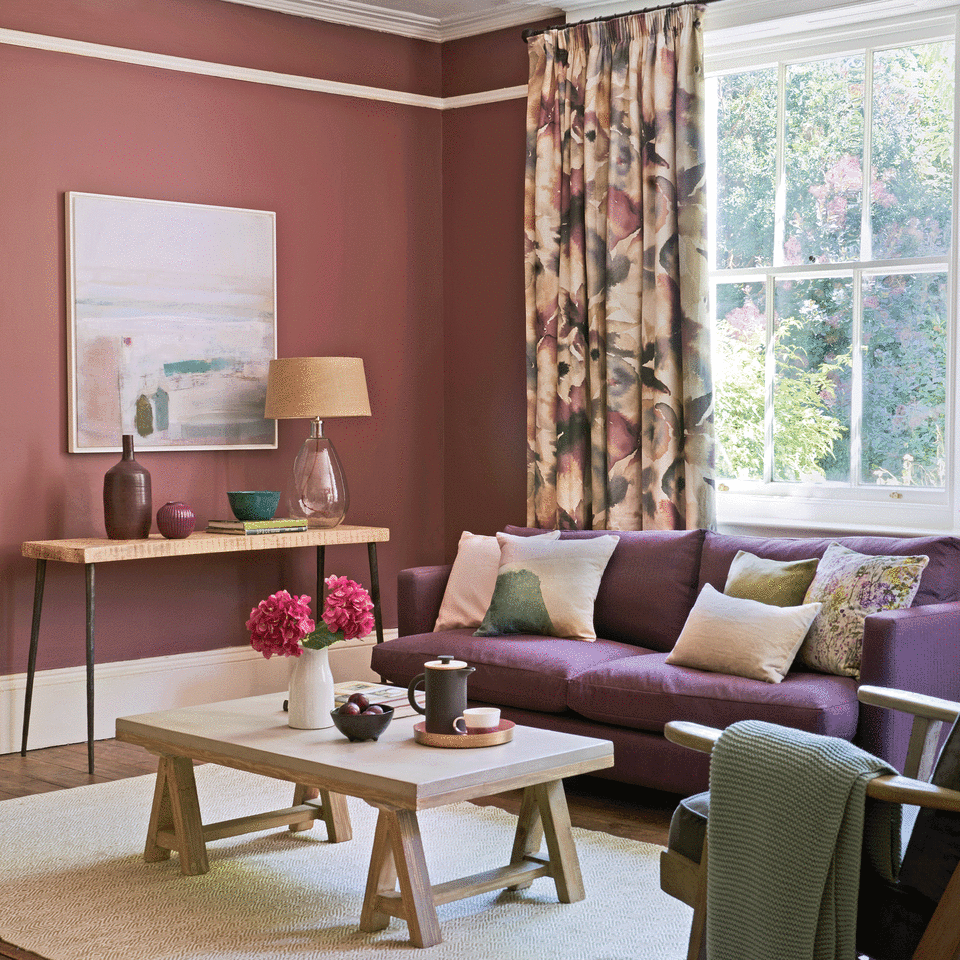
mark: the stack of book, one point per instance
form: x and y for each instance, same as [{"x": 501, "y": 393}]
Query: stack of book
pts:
[{"x": 249, "y": 527}]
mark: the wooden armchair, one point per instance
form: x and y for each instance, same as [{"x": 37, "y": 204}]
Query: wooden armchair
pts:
[{"x": 917, "y": 917}]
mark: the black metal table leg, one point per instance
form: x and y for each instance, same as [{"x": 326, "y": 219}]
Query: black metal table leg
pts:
[
  {"x": 375, "y": 590},
  {"x": 318, "y": 599},
  {"x": 34, "y": 643},
  {"x": 89, "y": 567}
]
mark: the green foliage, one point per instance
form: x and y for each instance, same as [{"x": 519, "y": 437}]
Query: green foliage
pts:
[
  {"x": 903, "y": 319},
  {"x": 804, "y": 432}
]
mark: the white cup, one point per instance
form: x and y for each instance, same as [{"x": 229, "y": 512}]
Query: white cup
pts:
[{"x": 478, "y": 720}]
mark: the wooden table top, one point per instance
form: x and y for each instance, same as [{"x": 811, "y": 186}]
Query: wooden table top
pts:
[
  {"x": 102, "y": 550},
  {"x": 252, "y": 734}
]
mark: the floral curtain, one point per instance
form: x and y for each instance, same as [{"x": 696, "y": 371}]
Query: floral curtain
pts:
[{"x": 620, "y": 397}]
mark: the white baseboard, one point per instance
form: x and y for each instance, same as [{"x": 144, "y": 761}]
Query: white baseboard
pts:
[{"x": 59, "y": 711}]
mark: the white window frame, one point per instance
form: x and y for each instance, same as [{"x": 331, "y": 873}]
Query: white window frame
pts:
[{"x": 836, "y": 507}]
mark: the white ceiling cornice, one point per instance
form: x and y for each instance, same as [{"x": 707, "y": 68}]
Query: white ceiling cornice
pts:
[
  {"x": 438, "y": 27},
  {"x": 729, "y": 20}
]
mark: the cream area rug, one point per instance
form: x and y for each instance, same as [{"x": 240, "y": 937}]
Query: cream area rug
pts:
[{"x": 74, "y": 886}]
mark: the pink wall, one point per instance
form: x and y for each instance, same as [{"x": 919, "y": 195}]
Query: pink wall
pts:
[
  {"x": 398, "y": 239},
  {"x": 355, "y": 185},
  {"x": 483, "y": 307}
]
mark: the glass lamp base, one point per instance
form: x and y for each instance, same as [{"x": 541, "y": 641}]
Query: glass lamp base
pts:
[{"x": 319, "y": 487}]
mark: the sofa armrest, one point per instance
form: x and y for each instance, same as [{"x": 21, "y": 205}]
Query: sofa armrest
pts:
[
  {"x": 419, "y": 595},
  {"x": 918, "y": 650}
]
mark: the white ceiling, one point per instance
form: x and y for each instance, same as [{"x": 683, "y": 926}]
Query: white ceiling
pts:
[{"x": 436, "y": 20}]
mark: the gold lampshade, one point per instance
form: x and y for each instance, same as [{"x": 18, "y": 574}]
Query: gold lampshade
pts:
[{"x": 312, "y": 387}]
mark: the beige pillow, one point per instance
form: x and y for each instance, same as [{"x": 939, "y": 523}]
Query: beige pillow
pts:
[
  {"x": 783, "y": 583},
  {"x": 547, "y": 588},
  {"x": 744, "y": 638},
  {"x": 472, "y": 579}
]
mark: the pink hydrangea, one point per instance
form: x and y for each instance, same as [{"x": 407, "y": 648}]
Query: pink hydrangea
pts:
[
  {"x": 278, "y": 624},
  {"x": 348, "y": 608}
]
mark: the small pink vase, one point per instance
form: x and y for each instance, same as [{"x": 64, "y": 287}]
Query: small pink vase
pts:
[{"x": 175, "y": 520}]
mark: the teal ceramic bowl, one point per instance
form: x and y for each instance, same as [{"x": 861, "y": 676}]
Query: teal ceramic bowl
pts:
[{"x": 254, "y": 504}]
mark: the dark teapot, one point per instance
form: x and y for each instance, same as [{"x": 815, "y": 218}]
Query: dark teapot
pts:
[{"x": 445, "y": 688}]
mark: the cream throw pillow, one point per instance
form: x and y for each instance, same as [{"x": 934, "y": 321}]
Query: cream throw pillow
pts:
[
  {"x": 472, "y": 579},
  {"x": 744, "y": 638},
  {"x": 547, "y": 588}
]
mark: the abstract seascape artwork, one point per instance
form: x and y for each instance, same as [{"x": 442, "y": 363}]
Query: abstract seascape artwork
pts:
[{"x": 172, "y": 324}]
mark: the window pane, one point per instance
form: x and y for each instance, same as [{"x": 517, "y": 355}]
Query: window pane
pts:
[
  {"x": 739, "y": 337},
  {"x": 746, "y": 168},
  {"x": 910, "y": 191},
  {"x": 811, "y": 390},
  {"x": 904, "y": 379},
  {"x": 824, "y": 151}
]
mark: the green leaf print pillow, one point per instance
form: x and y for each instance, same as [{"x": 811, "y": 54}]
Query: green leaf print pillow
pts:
[{"x": 547, "y": 587}]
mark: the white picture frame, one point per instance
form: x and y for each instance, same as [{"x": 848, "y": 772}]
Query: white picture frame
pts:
[{"x": 171, "y": 312}]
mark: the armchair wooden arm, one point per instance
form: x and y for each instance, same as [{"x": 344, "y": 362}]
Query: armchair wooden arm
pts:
[
  {"x": 920, "y": 705},
  {"x": 929, "y": 716},
  {"x": 895, "y": 789},
  {"x": 694, "y": 736}
]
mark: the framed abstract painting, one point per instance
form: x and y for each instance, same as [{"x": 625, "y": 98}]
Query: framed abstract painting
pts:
[{"x": 171, "y": 310}]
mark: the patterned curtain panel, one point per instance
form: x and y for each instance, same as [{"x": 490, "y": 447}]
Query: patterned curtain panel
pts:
[{"x": 620, "y": 395}]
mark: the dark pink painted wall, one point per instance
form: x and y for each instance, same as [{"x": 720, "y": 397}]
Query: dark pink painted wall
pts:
[
  {"x": 483, "y": 307},
  {"x": 399, "y": 239},
  {"x": 356, "y": 188}
]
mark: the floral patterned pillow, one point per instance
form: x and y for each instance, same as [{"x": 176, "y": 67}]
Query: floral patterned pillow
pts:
[{"x": 850, "y": 586}]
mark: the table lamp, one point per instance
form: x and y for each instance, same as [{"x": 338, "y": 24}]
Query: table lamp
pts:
[{"x": 317, "y": 388}]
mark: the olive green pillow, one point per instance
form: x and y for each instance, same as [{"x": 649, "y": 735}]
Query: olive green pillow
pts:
[{"x": 780, "y": 583}]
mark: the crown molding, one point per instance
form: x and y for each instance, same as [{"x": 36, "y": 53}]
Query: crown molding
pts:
[
  {"x": 162, "y": 61},
  {"x": 436, "y": 29}
]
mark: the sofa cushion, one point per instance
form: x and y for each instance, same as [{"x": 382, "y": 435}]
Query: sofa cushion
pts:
[
  {"x": 781, "y": 583},
  {"x": 743, "y": 637},
  {"x": 940, "y": 582},
  {"x": 520, "y": 670},
  {"x": 648, "y": 587},
  {"x": 851, "y": 585},
  {"x": 645, "y": 692},
  {"x": 547, "y": 587},
  {"x": 472, "y": 579}
]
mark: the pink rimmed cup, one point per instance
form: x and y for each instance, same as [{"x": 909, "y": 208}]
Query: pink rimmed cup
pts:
[{"x": 478, "y": 720}]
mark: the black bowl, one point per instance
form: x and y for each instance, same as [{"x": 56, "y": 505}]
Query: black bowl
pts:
[{"x": 362, "y": 726}]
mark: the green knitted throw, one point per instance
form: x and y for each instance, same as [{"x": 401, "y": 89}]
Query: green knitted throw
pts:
[{"x": 785, "y": 832}]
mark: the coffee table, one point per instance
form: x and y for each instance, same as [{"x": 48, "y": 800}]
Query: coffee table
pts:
[{"x": 395, "y": 774}]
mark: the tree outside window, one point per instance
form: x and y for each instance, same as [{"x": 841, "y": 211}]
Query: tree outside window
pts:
[{"x": 833, "y": 187}]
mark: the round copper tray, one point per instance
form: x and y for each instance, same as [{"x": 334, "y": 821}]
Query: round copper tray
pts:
[{"x": 502, "y": 734}]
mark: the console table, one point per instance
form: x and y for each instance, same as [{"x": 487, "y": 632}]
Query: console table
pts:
[{"x": 93, "y": 550}]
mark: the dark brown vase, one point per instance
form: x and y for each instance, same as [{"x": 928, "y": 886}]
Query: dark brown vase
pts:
[{"x": 127, "y": 507}]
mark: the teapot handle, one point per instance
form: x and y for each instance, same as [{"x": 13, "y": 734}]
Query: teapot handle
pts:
[{"x": 412, "y": 689}]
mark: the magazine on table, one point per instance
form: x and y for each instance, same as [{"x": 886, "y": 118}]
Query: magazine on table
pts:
[{"x": 379, "y": 693}]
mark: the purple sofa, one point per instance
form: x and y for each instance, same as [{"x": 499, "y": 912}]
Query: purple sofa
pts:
[{"x": 619, "y": 687}]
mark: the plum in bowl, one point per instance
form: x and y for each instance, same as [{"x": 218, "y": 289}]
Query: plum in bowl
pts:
[{"x": 358, "y": 723}]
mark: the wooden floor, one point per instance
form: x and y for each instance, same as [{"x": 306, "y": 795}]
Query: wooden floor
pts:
[{"x": 595, "y": 804}]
